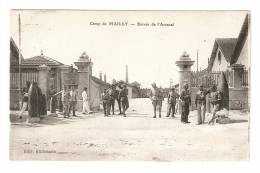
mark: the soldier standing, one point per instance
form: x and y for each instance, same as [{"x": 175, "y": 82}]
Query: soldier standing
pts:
[
  {"x": 73, "y": 100},
  {"x": 123, "y": 98},
  {"x": 171, "y": 100},
  {"x": 114, "y": 98},
  {"x": 66, "y": 103},
  {"x": 200, "y": 102},
  {"x": 106, "y": 102},
  {"x": 157, "y": 98},
  {"x": 216, "y": 100},
  {"x": 185, "y": 103}
]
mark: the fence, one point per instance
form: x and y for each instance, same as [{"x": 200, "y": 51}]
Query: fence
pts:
[
  {"x": 207, "y": 79},
  {"x": 31, "y": 76}
]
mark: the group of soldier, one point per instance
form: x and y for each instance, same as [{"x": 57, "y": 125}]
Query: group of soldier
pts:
[
  {"x": 69, "y": 101},
  {"x": 116, "y": 93},
  {"x": 33, "y": 99},
  {"x": 184, "y": 98}
]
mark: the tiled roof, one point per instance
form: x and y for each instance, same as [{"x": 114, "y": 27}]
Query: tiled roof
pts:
[
  {"x": 241, "y": 40},
  {"x": 227, "y": 46},
  {"x": 97, "y": 80},
  {"x": 40, "y": 60}
]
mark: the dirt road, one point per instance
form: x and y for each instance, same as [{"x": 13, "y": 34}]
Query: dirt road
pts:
[{"x": 137, "y": 137}]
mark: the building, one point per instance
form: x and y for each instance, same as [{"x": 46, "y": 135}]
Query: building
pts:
[
  {"x": 231, "y": 56},
  {"x": 231, "y": 51},
  {"x": 51, "y": 74}
]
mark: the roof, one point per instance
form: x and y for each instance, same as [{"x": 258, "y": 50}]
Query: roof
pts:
[
  {"x": 14, "y": 50},
  {"x": 97, "y": 80},
  {"x": 241, "y": 40},
  {"x": 226, "y": 45},
  {"x": 40, "y": 60}
]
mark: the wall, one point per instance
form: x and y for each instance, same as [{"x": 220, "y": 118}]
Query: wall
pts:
[
  {"x": 14, "y": 99},
  {"x": 223, "y": 66},
  {"x": 244, "y": 56},
  {"x": 238, "y": 98}
]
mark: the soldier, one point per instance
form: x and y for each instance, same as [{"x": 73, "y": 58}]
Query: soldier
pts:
[
  {"x": 171, "y": 100},
  {"x": 114, "y": 95},
  {"x": 25, "y": 102},
  {"x": 123, "y": 98},
  {"x": 216, "y": 100},
  {"x": 185, "y": 103},
  {"x": 52, "y": 100},
  {"x": 200, "y": 102},
  {"x": 156, "y": 98},
  {"x": 62, "y": 92},
  {"x": 73, "y": 100},
  {"x": 106, "y": 99},
  {"x": 66, "y": 103}
]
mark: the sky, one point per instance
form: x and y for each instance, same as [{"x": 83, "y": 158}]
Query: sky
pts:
[{"x": 149, "y": 51}]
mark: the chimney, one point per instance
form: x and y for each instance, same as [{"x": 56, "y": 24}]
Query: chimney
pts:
[
  {"x": 105, "y": 77},
  {"x": 100, "y": 76},
  {"x": 126, "y": 73}
]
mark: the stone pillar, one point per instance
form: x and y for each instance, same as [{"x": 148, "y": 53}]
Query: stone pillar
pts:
[
  {"x": 184, "y": 64},
  {"x": 84, "y": 74},
  {"x": 238, "y": 71},
  {"x": 63, "y": 69}
]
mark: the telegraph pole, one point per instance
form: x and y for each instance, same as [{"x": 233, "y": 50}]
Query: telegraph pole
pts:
[
  {"x": 197, "y": 80},
  {"x": 19, "y": 56}
]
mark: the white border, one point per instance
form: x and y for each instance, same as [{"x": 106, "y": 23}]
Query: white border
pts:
[{"x": 77, "y": 167}]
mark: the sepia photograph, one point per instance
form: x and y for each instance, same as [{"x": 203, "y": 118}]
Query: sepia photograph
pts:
[{"x": 104, "y": 85}]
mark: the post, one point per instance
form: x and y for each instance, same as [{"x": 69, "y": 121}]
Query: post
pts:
[{"x": 20, "y": 62}]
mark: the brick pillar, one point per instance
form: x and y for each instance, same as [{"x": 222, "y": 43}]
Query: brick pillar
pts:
[
  {"x": 238, "y": 71},
  {"x": 84, "y": 74}
]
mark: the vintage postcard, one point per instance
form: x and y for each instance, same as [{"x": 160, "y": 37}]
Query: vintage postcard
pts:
[{"x": 129, "y": 85}]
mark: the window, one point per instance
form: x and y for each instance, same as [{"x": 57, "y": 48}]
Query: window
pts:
[{"x": 219, "y": 57}]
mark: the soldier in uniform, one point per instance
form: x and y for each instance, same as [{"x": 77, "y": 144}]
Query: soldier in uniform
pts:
[
  {"x": 106, "y": 99},
  {"x": 171, "y": 100},
  {"x": 216, "y": 100},
  {"x": 200, "y": 102},
  {"x": 156, "y": 98},
  {"x": 66, "y": 103},
  {"x": 73, "y": 100},
  {"x": 52, "y": 100},
  {"x": 185, "y": 103},
  {"x": 114, "y": 98},
  {"x": 123, "y": 98}
]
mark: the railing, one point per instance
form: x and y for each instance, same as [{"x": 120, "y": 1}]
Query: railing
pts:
[
  {"x": 25, "y": 76},
  {"x": 207, "y": 79},
  {"x": 245, "y": 78}
]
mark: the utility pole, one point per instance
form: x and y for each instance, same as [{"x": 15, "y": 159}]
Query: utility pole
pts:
[
  {"x": 197, "y": 80},
  {"x": 20, "y": 58}
]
